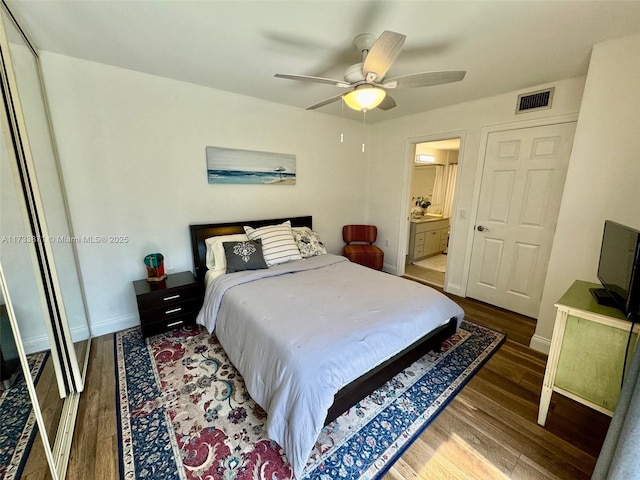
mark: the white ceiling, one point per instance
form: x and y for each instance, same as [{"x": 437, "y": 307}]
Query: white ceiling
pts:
[{"x": 239, "y": 45}]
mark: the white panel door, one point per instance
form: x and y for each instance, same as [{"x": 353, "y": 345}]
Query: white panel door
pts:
[{"x": 522, "y": 183}]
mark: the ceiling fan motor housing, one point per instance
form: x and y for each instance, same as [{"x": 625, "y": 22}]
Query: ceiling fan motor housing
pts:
[
  {"x": 353, "y": 73},
  {"x": 364, "y": 42}
]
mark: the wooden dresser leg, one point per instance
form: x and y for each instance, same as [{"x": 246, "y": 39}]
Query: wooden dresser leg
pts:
[
  {"x": 545, "y": 400},
  {"x": 552, "y": 366}
]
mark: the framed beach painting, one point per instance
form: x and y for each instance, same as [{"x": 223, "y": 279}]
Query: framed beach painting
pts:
[{"x": 234, "y": 166}]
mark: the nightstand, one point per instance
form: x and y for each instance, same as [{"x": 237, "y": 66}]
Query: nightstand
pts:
[{"x": 168, "y": 304}]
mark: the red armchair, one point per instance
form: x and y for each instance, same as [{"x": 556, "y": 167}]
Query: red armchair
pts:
[{"x": 359, "y": 246}]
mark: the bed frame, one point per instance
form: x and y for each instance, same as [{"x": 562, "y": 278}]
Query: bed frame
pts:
[{"x": 351, "y": 394}]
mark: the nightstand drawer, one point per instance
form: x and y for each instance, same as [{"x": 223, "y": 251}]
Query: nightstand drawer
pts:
[
  {"x": 174, "y": 309},
  {"x": 155, "y": 328},
  {"x": 167, "y": 298}
]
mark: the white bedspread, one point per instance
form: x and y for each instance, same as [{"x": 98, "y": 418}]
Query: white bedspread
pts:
[{"x": 300, "y": 331}]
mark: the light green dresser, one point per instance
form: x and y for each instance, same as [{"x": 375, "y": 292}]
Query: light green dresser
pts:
[{"x": 587, "y": 352}]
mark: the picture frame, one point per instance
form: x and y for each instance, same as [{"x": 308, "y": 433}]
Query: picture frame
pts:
[{"x": 236, "y": 166}]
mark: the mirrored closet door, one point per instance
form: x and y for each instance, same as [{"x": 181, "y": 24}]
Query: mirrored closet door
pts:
[
  {"x": 41, "y": 276},
  {"x": 24, "y": 453}
]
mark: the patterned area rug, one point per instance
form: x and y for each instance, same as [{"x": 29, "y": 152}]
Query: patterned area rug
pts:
[
  {"x": 185, "y": 413},
  {"x": 18, "y": 420}
]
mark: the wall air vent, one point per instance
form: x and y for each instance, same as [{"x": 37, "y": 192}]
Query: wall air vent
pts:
[{"x": 539, "y": 100}]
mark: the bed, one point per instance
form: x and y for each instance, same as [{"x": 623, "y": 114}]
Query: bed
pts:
[{"x": 312, "y": 337}]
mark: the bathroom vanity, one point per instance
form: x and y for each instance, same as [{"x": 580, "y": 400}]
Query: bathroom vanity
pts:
[{"x": 428, "y": 236}]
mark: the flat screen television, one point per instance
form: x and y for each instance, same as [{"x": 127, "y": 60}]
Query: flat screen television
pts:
[{"x": 619, "y": 269}]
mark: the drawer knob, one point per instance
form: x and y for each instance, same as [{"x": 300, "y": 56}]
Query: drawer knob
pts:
[
  {"x": 175, "y": 310},
  {"x": 175, "y": 324},
  {"x": 172, "y": 297}
]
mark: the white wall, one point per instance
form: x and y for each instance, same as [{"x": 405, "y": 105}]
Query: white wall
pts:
[
  {"x": 132, "y": 152},
  {"x": 390, "y": 164},
  {"x": 603, "y": 181}
]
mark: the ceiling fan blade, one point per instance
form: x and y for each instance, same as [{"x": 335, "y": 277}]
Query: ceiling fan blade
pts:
[
  {"x": 428, "y": 79},
  {"x": 388, "y": 103},
  {"x": 325, "y": 102},
  {"x": 308, "y": 78},
  {"x": 383, "y": 54}
]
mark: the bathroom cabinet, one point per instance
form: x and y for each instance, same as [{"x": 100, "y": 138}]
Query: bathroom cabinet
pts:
[{"x": 427, "y": 238}]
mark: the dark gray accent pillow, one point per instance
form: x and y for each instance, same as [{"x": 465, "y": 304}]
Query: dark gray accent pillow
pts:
[{"x": 245, "y": 255}]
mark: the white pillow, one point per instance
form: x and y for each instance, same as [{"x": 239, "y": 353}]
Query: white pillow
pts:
[
  {"x": 308, "y": 242},
  {"x": 211, "y": 275},
  {"x": 216, "y": 259},
  {"x": 278, "y": 244}
]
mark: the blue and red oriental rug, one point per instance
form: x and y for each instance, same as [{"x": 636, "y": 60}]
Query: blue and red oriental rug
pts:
[
  {"x": 185, "y": 412},
  {"x": 17, "y": 420}
]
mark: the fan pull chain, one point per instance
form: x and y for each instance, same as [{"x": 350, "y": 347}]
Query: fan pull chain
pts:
[
  {"x": 342, "y": 122},
  {"x": 364, "y": 128}
]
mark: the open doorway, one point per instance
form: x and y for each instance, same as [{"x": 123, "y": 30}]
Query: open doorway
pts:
[{"x": 431, "y": 194}]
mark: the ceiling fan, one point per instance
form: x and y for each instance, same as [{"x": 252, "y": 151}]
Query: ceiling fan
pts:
[{"x": 367, "y": 82}]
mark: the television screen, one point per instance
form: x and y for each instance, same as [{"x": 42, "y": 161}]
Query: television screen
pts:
[{"x": 618, "y": 265}]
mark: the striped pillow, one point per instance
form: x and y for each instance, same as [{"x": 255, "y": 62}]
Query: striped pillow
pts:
[{"x": 278, "y": 244}]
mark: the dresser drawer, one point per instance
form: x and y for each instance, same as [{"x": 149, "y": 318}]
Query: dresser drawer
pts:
[{"x": 419, "y": 239}]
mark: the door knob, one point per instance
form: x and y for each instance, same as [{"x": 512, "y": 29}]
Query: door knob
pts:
[{"x": 480, "y": 228}]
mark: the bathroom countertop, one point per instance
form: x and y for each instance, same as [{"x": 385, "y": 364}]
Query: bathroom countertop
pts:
[{"x": 428, "y": 218}]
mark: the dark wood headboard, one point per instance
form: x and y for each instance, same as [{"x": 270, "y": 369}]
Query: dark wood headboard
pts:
[{"x": 200, "y": 232}]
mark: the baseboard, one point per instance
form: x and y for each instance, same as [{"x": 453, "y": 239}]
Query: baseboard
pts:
[
  {"x": 454, "y": 289},
  {"x": 540, "y": 344},
  {"x": 114, "y": 325},
  {"x": 387, "y": 267},
  {"x": 41, "y": 342},
  {"x": 37, "y": 344}
]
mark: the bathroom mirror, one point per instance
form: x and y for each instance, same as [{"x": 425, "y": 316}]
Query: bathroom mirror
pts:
[{"x": 426, "y": 182}]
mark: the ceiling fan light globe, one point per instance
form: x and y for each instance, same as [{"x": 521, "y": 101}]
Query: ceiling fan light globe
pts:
[{"x": 364, "y": 98}]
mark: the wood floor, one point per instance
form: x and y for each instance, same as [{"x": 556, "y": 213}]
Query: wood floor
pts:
[
  {"x": 51, "y": 407},
  {"x": 430, "y": 277},
  {"x": 488, "y": 431}
]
